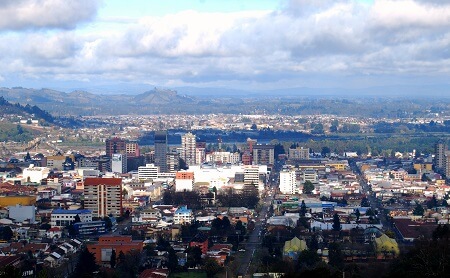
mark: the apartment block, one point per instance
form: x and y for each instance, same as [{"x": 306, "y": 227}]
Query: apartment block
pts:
[{"x": 103, "y": 196}]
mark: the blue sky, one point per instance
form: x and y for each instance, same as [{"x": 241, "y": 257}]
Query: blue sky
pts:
[{"x": 251, "y": 45}]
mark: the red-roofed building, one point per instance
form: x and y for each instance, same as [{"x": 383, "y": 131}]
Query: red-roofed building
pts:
[
  {"x": 103, "y": 196},
  {"x": 410, "y": 230}
]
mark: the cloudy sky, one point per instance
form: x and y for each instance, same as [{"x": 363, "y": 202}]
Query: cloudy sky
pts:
[{"x": 240, "y": 44}]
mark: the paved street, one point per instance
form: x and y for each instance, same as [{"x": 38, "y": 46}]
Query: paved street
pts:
[{"x": 254, "y": 241}]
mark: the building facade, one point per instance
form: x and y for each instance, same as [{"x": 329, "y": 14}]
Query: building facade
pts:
[
  {"x": 161, "y": 150},
  {"x": 263, "y": 155},
  {"x": 188, "y": 147},
  {"x": 103, "y": 196},
  {"x": 148, "y": 172},
  {"x": 288, "y": 183},
  {"x": 63, "y": 217},
  {"x": 115, "y": 145}
]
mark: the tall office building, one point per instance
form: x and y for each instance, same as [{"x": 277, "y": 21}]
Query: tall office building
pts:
[
  {"x": 161, "y": 150},
  {"x": 103, "y": 196},
  {"x": 439, "y": 156},
  {"x": 115, "y": 145},
  {"x": 188, "y": 147}
]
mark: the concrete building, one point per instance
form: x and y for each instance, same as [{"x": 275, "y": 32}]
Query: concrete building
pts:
[
  {"x": 132, "y": 149},
  {"x": 251, "y": 175},
  {"x": 115, "y": 145},
  {"x": 148, "y": 172},
  {"x": 299, "y": 153},
  {"x": 173, "y": 162},
  {"x": 161, "y": 150},
  {"x": 184, "y": 181},
  {"x": 58, "y": 162},
  {"x": 183, "y": 215},
  {"x": 103, "y": 196},
  {"x": 439, "y": 156},
  {"x": 21, "y": 213},
  {"x": 35, "y": 174},
  {"x": 102, "y": 249},
  {"x": 119, "y": 163},
  {"x": 263, "y": 155},
  {"x": 63, "y": 217},
  {"x": 188, "y": 146},
  {"x": 288, "y": 183}
]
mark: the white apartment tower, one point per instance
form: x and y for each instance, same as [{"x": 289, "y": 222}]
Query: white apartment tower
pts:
[
  {"x": 288, "y": 183},
  {"x": 188, "y": 152}
]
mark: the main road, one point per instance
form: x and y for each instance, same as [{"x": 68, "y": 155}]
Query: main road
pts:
[{"x": 254, "y": 240}]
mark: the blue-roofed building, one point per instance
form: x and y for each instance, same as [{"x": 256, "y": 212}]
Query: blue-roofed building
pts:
[
  {"x": 183, "y": 215},
  {"x": 64, "y": 217}
]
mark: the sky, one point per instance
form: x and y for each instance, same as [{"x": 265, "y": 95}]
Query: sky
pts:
[{"x": 237, "y": 44}]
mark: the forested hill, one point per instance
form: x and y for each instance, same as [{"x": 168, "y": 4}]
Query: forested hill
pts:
[{"x": 28, "y": 111}]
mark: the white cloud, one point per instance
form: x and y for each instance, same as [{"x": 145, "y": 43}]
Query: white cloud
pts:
[
  {"x": 325, "y": 38},
  {"x": 38, "y": 14}
]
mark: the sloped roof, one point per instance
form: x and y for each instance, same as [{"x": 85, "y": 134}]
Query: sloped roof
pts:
[
  {"x": 294, "y": 245},
  {"x": 386, "y": 244}
]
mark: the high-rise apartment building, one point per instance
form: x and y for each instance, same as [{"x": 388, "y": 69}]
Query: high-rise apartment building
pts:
[
  {"x": 161, "y": 150},
  {"x": 132, "y": 149},
  {"x": 263, "y": 154},
  {"x": 188, "y": 147},
  {"x": 173, "y": 162},
  {"x": 103, "y": 196},
  {"x": 439, "y": 156},
  {"x": 288, "y": 183},
  {"x": 115, "y": 145}
]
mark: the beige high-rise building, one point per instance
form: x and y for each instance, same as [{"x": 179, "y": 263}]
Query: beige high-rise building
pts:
[
  {"x": 188, "y": 153},
  {"x": 439, "y": 156},
  {"x": 103, "y": 196}
]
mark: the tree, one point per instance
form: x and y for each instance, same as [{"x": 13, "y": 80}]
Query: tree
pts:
[
  {"x": 112, "y": 260},
  {"x": 308, "y": 187},
  {"x": 211, "y": 267},
  {"x": 108, "y": 223},
  {"x": 336, "y": 258},
  {"x": 86, "y": 265},
  {"x": 418, "y": 210},
  {"x": 76, "y": 219},
  {"x": 325, "y": 151},
  {"x": 364, "y": 202},
  {"x": 303, "y": 208},
  {"x": 358, "y": 214},
  {"x": 172, "y": 262},
  {"x": 194, "y": 256},
  {"x": 308, "y": 258},
  {"x": 432, "y": 203},
  {"x": 7, "y": 233},
  {"x": 336, "y": 222}
]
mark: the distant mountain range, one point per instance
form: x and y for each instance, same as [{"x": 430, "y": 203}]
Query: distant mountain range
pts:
[{"x": 385, "y": 101}]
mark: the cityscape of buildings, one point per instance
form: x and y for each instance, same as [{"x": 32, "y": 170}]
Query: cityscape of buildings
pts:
[{"x": 128, "y": 197}]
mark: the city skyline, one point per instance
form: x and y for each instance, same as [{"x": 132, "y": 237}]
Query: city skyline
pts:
[{"x": 256, "y": 45}]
